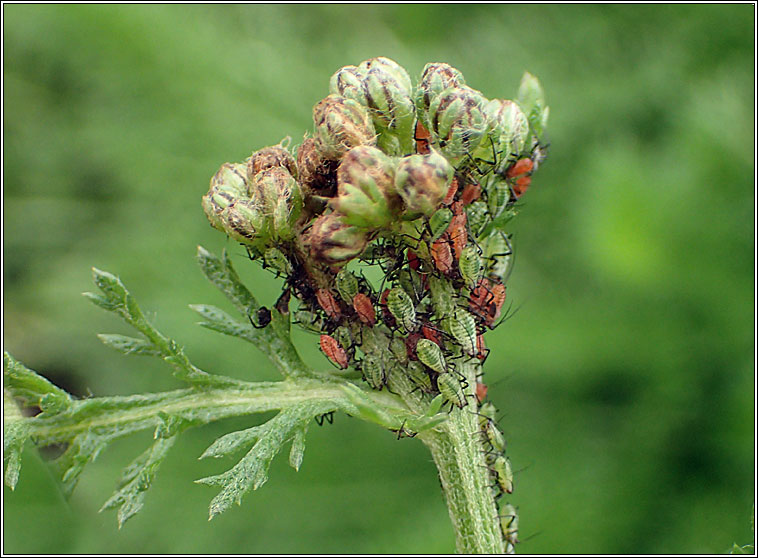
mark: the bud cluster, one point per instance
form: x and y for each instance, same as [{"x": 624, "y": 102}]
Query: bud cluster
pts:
[{"x": 418, "y": 183}]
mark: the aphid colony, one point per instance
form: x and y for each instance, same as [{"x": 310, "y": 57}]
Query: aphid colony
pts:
[{"x": 387, "y": 227}]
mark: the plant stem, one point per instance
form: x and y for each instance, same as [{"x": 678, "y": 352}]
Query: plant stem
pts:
[{"x": 465, "y": 483}]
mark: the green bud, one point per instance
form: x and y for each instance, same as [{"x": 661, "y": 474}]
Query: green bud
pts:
[
  {"x": 531, "y": 99},
  {"x": 269, "y": 157},
  {"x": 348, "y": 82},
  {"x": 227, "y": 185},
  {"x": 366, "y": 188},
  {"x": 510, "y": 129},
  {"x": 457, "y": 121},
  {"x": 387, "y": 88},
  {"x": 244, "y": 221},
  {"x": 435, "y": 78},
  {"x": 334, "y": 242},
  {"x": 341, "y": 124},
  {"x": 422, "y": 181},
  {"x": 280, "y": 197}
]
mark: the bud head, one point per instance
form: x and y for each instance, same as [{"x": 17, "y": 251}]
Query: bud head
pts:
[
  {"x": 333, "y": 242},
  {"x": 457, "y": 121},
  {"x": 422, "y": 181},
  {"x": 269, "y": 157},
  {"x": 341, "y": 124}
]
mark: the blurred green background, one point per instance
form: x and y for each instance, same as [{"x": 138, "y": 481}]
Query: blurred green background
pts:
[{"x": 626, "y": 378}]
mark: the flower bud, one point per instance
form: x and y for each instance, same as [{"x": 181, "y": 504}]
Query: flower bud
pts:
[
  {"x": 280, "y": 196},
  {"x": 435, "y": 78},
  {"x": 340, "y": 125},
  {"x": 458, "y": 121},
  {"x": 317, "y": 175},
  {"x": 227, "y": 185},
  {"x": 365, "y": 188},
  {"x": 510, "y": 129},
  {"x": 268, "y": 157},
  {"x": 531, "y": 99},
  {"x": 348, "y": 82},
  {"x": 244, "y": 221},
  {"x": 333, "y": 242},
  {"x": 422, "y": 181},
  {"x": 388, "y": 91}
]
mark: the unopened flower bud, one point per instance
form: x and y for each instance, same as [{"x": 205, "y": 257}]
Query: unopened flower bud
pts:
[
  {"x": 458, "y": 122},
  {"x": 334, "y": 242},
  {"x": 268, "y": 157},
  {"x": 422, "y": 181},
  {"x": 280, "y": 197},
  {"x": 341, "y": 124},
  {"x": 435, "y": 78},
  {"x": 316, "y": 174},
  {"x": 531, "y": 99},
  {"x": 348, "y": 82},
  {"x": 244, "y": 221},
  {"x": 510, "y": 129},
  {"x": 227, "y": 185},
  {"x": 366, "y": 188}
]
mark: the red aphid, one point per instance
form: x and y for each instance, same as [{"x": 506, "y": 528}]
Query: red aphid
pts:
[
  {"x": 486, "y": 300},
  {"x": 457, "y": 207},
  {"x": 451, "y": 192},
  {"x": 471, "y": 193},
  {"x": 333, "y": 351},
  {"x": 422, "y": 138},
  {"x": 498, "y": 297},
  {"x": 431, "y": 333},
  {"x": 329, "y": 304},
  {"x": 410, "y": 345},
  {"x": 481, "y": 391},
  {"x": 521, "y": 186},
  {"x": 522, "y": 166},
  {"x": 458, "y": 234},
  {"x": 441, "y": 254},
  {"x": 365, "y": 309}
]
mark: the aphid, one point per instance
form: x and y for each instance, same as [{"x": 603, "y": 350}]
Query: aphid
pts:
[
  {"x": 401, "y": 307},
  {"x": 262, "y": 316},
  {"x": 503, "y": 473},
  {"x": 419, "y": 376},
  {"x": 365, "y": 309},
  {"x": 486, "y": 300},
  {"x": 309, "y": 321},
  {"x": 509, "y": 524},
  {"x": 430, "y": 354},
  {"x": 347, "y": 285},
  {"x": 462, "y": 327},
  {"x": 413, "y": 262},
  {"x": 458, "y": 233},
  {"x": 422, "y": 138},
  {"x": 498, "y": 195},
  {"x": 333, "y": 350},
  {"x": 481, "y": 349},
  {"x": 494, "y": 436},
  {"x": 451, "y": 390},
  {"x": 439, "y": 222},
  {"x": 470, "y": 265},
  {"x": 387, "y": 316},
  {"x": 275, "y": 259},
  {"x": 451, "y": 192},
  {"x": 521, "y": 186},
  {"x": 522, "y": 166},
  {"x": 471, "y": 192},
  {"x": 410, "y": 345},
  {"x": 478, "y": 217},
  {"x": 431, "y": 333},
  {"x": 373, "y": 372},
  {"x": 442, "y": 255},
  {"x": 328, "y": 304},
  {"x": 481, "y": 391}
]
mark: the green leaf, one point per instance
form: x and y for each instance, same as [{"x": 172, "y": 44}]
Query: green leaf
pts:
[
  {"x": 32, "y": 388},
  {"x": 252, "y": 470},
  {"x": 234, "y": 441},
  {"x": 298, "y": 447},
  {"x": 136, "y": 478},
  {"x": 15, "y": 434},
  {"x": 221, "y": 273},
  {"x": 218, "y": 320},
  {"x": 129, "y": 345}
]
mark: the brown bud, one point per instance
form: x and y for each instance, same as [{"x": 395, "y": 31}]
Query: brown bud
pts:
[
  {"x": 333, "y": 242},
  {"x": 341, "y": 124},
  {"x": 317, "y": 175},
  {"x": 268, "y": 157}
]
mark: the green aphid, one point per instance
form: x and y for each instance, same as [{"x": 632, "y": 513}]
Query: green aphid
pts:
[
  {"x": 497, "y": 255},
  {"x": 509, "y": 524},
  {"x": 401, "y": 307},
  {"x": 347, "y": 285},
  {"x": 503, "y": 473},
  {"x": 439, "y": 222},
  {"x": 494, "y": 436},
  {"x": 498, "y": 195},
  {"x": 451, "y": 389},
  {"x": 344, "y": 337},
  {"x": 308, "y": 321},
  {"x": 374, "y": 372},
  {"x": 411, "y": 282},
  {"x": 462, "y": 326},
  {"x": 477, "y": 217},
  {"x": 470, "y": 265},
  {"x": 442, "y": 296},
  {"x": 398, "y": 350},
  {"x": 419, "y": 376},
  {"x": 275, "y": 259},
  {"x": 430, "y": 354}
]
